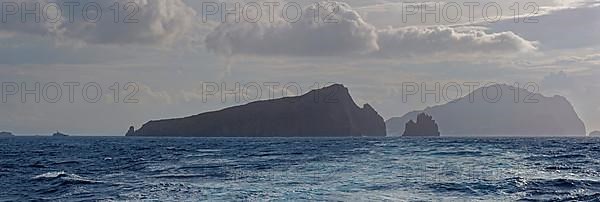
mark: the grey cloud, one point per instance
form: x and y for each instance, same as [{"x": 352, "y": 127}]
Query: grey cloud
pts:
[
  {"x": 353, "y": 36},
  {"x": 413, "y": 41},
  {"x": 159, "y": 22},
  {"x": 561, "y": 29},
  {"x": 307, "y": 37},
  {"x": 557, "y": 81}
]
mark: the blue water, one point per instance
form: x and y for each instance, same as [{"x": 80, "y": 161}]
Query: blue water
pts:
[{"x": 347, "y": 169}]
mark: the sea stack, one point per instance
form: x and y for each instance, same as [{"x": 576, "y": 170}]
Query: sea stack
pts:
[
  {"x": 326, "y": 112},
  {"x": 131, "y": 131},
  {"x": 424, "y": 127}
]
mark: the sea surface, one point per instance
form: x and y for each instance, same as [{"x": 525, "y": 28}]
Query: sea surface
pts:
[{"x": 299, "y": 169}]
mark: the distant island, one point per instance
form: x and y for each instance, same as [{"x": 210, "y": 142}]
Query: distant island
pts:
[
  {"x": 59, "y": 134},
  {"x": 532, "y": 114},
  {"x": 326, "y": 112},
  {"x": 424, "y": 127},
  {"x": 595, "y": 134},
  {"x": 6, "y": 134}
]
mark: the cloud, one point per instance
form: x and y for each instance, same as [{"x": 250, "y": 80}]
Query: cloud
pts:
[
  {"x": 155, "y": 22},
  {"x": 351, "y": 35},
  {"x": 415, "y": 41},
  {"x": 557, "y": 81},
  {"x": 561, "y": 29}
]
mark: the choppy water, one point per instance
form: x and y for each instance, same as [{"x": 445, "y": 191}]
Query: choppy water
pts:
[{"x": 350, "y": 169}]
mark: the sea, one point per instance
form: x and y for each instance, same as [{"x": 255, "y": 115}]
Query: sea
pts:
[{"x": 299, "y": 169}]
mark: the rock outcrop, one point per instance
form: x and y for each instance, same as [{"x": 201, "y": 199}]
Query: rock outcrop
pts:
[
  {"x": 424, "y": 127},
  {"x": 595, "y": 134},
  {"x": 131, "y": 131},
  {"x": 516, "y": 112},
  {"x": 6, "y": 134},
  {"x": 327, "y": 112},
  {"x": 59, "y": 134}
]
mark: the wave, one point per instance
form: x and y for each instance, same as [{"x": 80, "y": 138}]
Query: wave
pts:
[
  {"x": 459, "y": 153},
  {"x": 208, "y": 150},
  {"x": 64, "y": 178},
  {"x": 178, "y": 149},
  {"x": 453, "y": 187},
  {"x": 449, "y": 169},
  {"x": 180, "y": 176},
  {"x": 562, "y": 168},
  {"x": 555, "y": 157},
  {"x": 65, "y": 162},
  {"x": 37, "y": 165},
  {"x": 560, "y": 189},
  {"x": 50, "y": 175},
  {"x": 565, "y": 183},
  {"x": 574, "y": 197}
]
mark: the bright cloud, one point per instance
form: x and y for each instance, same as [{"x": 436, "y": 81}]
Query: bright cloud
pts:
[
  {"x": 306, "y": 37},
  {"x": 350, "y": 34},
  {"x": 414, "y": 41}
]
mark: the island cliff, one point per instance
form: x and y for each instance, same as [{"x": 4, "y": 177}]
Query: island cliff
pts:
[
  {"x": 476, "y": 114},
  {"x": 326, "y": 112},
  {"x": 425, "y": 126}
]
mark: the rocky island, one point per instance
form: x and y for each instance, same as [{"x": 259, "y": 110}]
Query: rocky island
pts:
[
  {"x": 6, "y": 134},
  {"x": 500, "y": 110},
  {"x": 595, "y": 134},
  {"x": 424, "y": 127},
  {"x": 59, "y": 134},
  {"x": 326, "y": 112}
]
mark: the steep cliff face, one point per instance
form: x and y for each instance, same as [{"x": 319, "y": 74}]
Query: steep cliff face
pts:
[
  {"x": 517, "y": 112},
  {"x": 327, "y": 112},
  {"x": 425, "y": 126}
]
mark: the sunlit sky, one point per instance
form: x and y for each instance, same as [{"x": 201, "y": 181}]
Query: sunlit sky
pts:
[{"x": 372, "y": 48}]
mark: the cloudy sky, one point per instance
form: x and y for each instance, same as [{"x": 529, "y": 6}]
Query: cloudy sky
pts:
[{"x": 161, "y": 54}]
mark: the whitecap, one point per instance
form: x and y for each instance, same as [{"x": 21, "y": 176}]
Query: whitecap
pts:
[
  {"x": 51, "y": 175},
  {"x": 63, "y": 176}
]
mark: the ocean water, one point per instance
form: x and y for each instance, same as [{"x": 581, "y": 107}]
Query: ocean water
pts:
[{"x": 299, "y": 169}]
